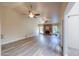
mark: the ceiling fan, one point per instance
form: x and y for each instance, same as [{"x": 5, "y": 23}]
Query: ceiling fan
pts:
[{"x": 32, "y": 14}]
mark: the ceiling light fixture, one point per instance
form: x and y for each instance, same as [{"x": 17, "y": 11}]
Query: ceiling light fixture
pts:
[{"x": 31, "y": 15}]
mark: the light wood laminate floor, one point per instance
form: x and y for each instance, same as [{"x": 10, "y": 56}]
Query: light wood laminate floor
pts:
[{"x": 33, "y": 46}]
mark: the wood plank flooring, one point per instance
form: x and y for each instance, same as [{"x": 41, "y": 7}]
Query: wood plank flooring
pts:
[{"x": 33, "y": 46}]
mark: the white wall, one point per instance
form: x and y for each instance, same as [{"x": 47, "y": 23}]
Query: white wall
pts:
[
  {"x": 16, "y": 26},
  {"x": 0, "y": 29}
]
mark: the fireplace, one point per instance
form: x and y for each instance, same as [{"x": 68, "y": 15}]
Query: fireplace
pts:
[
  {"x": 47, "y": 29},
  {"x": 47, "y": 32}
]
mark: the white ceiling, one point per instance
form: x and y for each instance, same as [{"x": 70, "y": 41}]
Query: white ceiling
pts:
[
  {"x": 46, "y": 9},
  {"x": 42, "y": 7}
]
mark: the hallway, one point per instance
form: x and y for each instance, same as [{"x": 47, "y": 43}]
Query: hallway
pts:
[
  {"x": 33, "y": 46},
  {"x": 39, "y": 28}
]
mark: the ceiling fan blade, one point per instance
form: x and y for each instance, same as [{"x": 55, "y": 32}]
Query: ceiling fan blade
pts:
[{"x": 36, "y": 14}]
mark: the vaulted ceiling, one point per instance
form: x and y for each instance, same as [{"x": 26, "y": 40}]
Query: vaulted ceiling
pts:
[{"x": 46, "y": 9}]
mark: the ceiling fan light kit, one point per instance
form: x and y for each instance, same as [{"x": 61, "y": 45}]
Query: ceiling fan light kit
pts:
[{"x": 31, "y": 15}]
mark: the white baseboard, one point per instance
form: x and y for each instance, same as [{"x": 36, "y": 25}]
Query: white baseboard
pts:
[
  {"x": 10, "y": 41},
  {"x": 17, "y": 39}
]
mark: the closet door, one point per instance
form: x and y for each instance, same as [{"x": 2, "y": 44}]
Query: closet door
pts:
[
  {"x": 73, "y": 31},
  {"x": 73, "y": 27}
]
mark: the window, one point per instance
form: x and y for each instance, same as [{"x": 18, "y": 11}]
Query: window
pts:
[
  {"x": 41, "y": 29},
  {"x": 55, "y": 30}
]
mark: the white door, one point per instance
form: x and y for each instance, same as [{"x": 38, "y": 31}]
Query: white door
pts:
[{"x": 71, "y": 31}]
